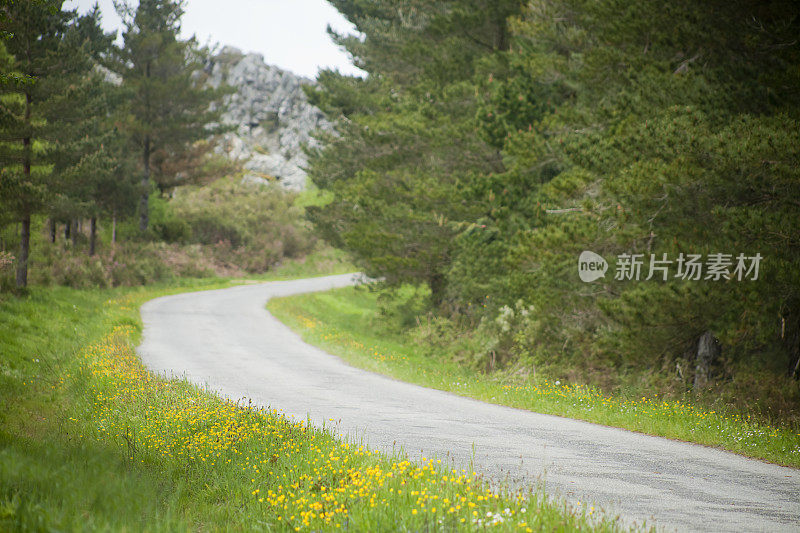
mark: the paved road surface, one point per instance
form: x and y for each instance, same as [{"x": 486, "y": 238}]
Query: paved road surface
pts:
[{"x": 226, "y": 339}]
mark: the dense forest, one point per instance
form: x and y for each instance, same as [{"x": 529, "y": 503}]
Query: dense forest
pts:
[
  {"x": 493, "y": 142},
  {"x": 96, "y": 136},
  {"x": 488, "y": 146}
]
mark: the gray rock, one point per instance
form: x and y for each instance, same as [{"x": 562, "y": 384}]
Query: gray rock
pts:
[
  {"x": 109, "y": 76},
  {"x": 272, "y": 117}
]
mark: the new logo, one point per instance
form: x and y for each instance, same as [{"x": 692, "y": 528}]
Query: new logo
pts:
[{"x": 591, "y": 266}]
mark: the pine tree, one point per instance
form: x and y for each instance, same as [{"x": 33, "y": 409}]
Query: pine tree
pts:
[
  {"x": 52, "y": 62},
  {"x": 169, "y": 106},
  {"x": 653, "y": 131},
  {"x": 83, "y": 163},
  {"x": 483, "y": 154},
  {"x": 11, "y": 106},
  {"x": 407, "y": 139}
]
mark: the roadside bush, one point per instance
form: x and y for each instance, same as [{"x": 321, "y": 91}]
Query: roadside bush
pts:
[
  {"x": 172, "y": 230},
  {"x": 190, "y": 261},
  {"x": 165, "y": 224},
  {"x": 138, "y": 264},
  {"x": 442, "y": 337},
  {"x": 79, "y": 271},
  {"x": 7, "y": 279},
  {"x": 506, "y": 336},
  {"x": 401, "y": 308},
  {"x": 126, "y": 264}
]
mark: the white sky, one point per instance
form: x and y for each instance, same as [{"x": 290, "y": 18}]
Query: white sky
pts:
[{"x": 289, "y": 33}]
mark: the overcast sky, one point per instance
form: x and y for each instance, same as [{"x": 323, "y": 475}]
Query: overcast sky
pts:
[{"x": 289, "y": 33}]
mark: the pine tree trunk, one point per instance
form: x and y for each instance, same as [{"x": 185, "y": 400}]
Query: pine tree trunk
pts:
[
  {"x": 791, "y": 341},
  {"x": 25, "y": 230},
  {"x": 74, "y": 233},
  {"x": 501, "y": 33},
  {"x": 67, "y": 229},
  {"x": 24, "y": 251},
  {"x": 437, "y": 285},
  {"x": 92, "y": 235},
  {"x": 144, "y": 215},
  {"x": 114, "y": 229},
  {"x": 52, "y": 230},
  {"x": 707, "y": 351}
]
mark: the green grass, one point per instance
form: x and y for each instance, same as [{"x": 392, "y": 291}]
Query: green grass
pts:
[
  {"x": 52, "y": 474},
  {"x": 324, "y": 261},
  {"x": 345, "y": 322},
  {"x": 89, "y": 440}
]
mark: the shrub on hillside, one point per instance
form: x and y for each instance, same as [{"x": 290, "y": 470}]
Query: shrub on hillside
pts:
[
  {"x": 249, "y": 226},
  {"x": 226, "y": 228},
  {"x": 126, "y": 264}
]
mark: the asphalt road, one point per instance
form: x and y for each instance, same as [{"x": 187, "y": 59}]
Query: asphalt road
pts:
[{"x": 225, "y": 339}]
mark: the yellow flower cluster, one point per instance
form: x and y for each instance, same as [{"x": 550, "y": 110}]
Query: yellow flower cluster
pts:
[
  {"x": 343, "y": 339},
  {"x": 292, "y": 474}
]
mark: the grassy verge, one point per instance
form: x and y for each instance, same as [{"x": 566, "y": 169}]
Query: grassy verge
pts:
[
  {"x": 345, "y": 322},
  {"x": 324, "y": 261},
  {"x": 89, "y": 440}
]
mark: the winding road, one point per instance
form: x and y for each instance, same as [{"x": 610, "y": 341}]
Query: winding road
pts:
[{"x": 226, "y": 339}]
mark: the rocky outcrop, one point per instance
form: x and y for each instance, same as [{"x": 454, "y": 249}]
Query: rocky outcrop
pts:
[{"x": 272, "y": 117}]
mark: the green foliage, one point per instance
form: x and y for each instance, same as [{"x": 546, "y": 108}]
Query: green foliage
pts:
[
  {"x": 250, "y": 226},
  {"x": 615, "y": 127},
  {"x": 165, "y": 224},
  {"x": 128, "y": 265},
  {"x": 407, "y": 141},
  {"x": 169, "y": 107},
  {"x": 667, "y": 154},
  {"x": 6, "y": 272},
  {"x": 72, "y": 108},
  {"x": 653, "y": 150},
  {"x": 225, "y": 228},
  {"x": 50, "y": 103},
  {"x": 401, "y": 307}
]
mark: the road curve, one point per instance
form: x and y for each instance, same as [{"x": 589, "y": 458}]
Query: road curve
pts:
[{"x": 226, "y": 339}]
